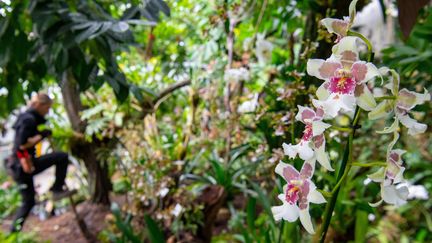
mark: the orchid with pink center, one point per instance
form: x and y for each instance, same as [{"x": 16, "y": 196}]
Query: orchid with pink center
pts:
[
  {"x": 340, "y": 27},
  {"x": 393, "y": 189},
  {"x": 402, "y": 103},
  {"x": 312, "y": 143},
  {"x": 345, "y": 77},
  {"x": 297, "y": 194}
]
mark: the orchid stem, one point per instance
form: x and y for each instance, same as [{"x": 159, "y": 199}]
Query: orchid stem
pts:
[
  {"x": 369, "y": 164},
  {"x": 342, "y": 129},
  {"x": 366, "y": 41},
  {"x": 346, "y": 160},
  {"x": 325, "y": 193},
  {"x": 391, "y": 97}
]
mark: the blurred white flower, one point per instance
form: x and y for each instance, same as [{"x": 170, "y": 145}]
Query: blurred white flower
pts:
[
  {"x": 236, "y": 74},
  {"x": 249, "y": 105},
  {"x": 417, "y": 192},
  {"x": 163, "y": 192},
  {"x": 371, "y": 217},
  {"x": 247, "y": 44},
  {"x": 367, "y": 181},
  {"x": 263, "y": 49},
  {"x": 177, "y": 210}
]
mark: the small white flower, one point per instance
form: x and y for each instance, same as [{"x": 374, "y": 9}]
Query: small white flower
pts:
[
  {"x": 163, "y": 192},
  {"x": 367, "y": 181},
  {"x": 236, "y": 74},
  {"x": 249, "y": 105},
  {"x": 177, "y": 210}
]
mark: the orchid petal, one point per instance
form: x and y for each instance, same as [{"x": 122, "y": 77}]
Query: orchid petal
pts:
[
  {"x": 305, "y": 114},
  {"x": 349, "y": 44},
  {"x": 413, "y": 126},
  {"x": 314, "y": 195},
  {"x": 318, "y": 127},
  {"x": 328, "y": 106},
  {"x": 393, "y": 85},
  {"x": 396, "y": 195},
  {"x": 307, "y": 170},
  {"x": 306, "y": 221},
  {"x": 392, "y": 128},
  {"x": 285, "y": 211},
  {"x": 377, "y": 176},
  {"x": 365, "y": 98},
  {"x": 302, "y": 149},
  {"x": 337, "y": 26},
  {"x": 287, "y": 171},
  {"x": 407, "y": 100},
  {"x": 347, "y": 102},
  {"x": 322, "y": 69},
  {"x": 364, "y": 72},
  {"x": 322, "y": 92},
  {"x": 352, "y": 11},
  {"x": 323, "y": 157},
  {"x": 382, "y": 110},
  {"x": 374, "y": 205}
]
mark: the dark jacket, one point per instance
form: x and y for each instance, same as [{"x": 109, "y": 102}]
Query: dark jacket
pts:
[{"x": 25, "y": 128}]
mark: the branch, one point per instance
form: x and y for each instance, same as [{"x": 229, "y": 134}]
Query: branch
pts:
[{"x": 171, "y": 89}]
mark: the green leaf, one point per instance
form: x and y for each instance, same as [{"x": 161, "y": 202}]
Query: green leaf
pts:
[
  {"x": 361, "y": 226},
  {"x": 155, "y": 234},
  {"x": 251, "y": 214}
]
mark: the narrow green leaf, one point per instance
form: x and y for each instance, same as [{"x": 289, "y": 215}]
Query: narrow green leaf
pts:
[{"x": 155, "y": 234}]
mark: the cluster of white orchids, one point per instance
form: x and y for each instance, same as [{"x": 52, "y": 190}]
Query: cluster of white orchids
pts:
[{"x": 347, "y": 87}]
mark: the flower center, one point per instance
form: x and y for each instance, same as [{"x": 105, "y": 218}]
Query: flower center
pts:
[
  {"x": 342, "y": 85},
  {"x": 307, "y": 133},
  {"x": 291, "y": 194}
]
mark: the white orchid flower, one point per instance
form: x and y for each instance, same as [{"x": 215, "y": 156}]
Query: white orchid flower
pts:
[
  {"x": 340, "y": 27},
  {"x": 297, "y": 194},
  {"x": 404, "y": 101},
  {"x": 236, "y": 75},
  {"x": 312, "y": 144},
  {"x": 263, "y": 49},
  {"x": 345, "y": 79},
  {"x": 393, "y": 187}
]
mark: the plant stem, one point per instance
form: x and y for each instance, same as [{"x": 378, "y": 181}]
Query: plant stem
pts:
[
  {"x": 390, "y": 97},
  {"x": 341, "y": 129},
  {"x": 367, "y": 42},
  {"x": 340, "y": 177},
  {"x": 281, "y": 228},
  {"x": 369, "y": 164}
]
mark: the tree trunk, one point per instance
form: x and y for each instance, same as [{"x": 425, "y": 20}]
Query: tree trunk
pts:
[{"x": 99, "y": 181}]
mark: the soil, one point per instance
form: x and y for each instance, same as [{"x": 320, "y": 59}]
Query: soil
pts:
[{"x": 64, "y": 228}]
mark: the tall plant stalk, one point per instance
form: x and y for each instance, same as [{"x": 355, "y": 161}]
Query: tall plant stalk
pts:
[{"x": 347, "y": 156}]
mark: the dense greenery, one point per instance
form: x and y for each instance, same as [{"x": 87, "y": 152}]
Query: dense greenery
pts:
[{"x": 182, "y": 107}]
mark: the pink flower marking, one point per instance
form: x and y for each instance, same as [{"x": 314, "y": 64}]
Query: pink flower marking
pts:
[
  {"x": 342, "y": 85},
  {"x": 298, "y": 185},
  {"x": 307, "y": 133},
  {"x": 291, "y": 194}
]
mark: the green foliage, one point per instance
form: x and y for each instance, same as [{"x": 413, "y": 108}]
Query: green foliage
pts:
[
  {"x": 19, "y": 238},
  {"x": 414, "y": 57},
  {"x": 79, "y": 37},
  {"x": 154, "y": 233},
  {"x": 9, "y": 196}
]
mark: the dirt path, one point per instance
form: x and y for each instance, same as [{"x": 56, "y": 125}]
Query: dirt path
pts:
[{"x": 63, "y": 228}]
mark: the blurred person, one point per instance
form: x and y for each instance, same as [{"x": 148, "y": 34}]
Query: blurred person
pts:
[{"x": 24, "y": 163}]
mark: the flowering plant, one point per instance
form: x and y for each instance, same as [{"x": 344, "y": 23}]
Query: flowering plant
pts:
[{"x": 346, "y": 90}]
